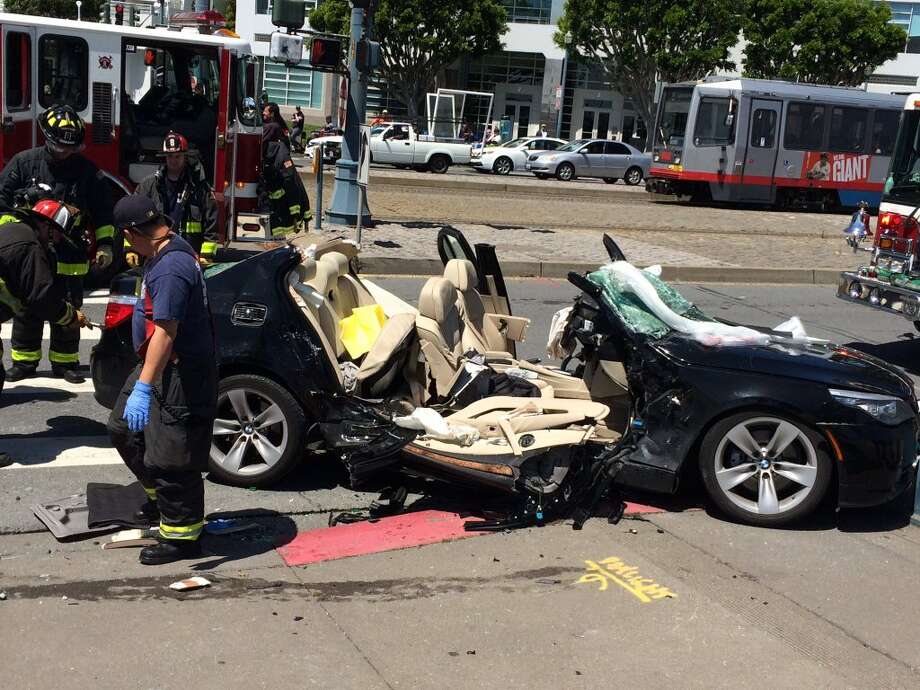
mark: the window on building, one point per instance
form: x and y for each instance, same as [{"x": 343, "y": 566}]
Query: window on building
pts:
[
  {"x": 265, "y": 6},
  {"x": 63, "y": 73},
  {"x": 715, "y": 122},
  {"x": 848, "y": 129},
  {"x": 763, "y": 129},
  {"x": 528, "y": 11},
  {"x": 18, "y": 71},
  {"x": 297, "y": 85},
  {"x": 805, "y": 126},
  {"x": 884, "y": 131}
]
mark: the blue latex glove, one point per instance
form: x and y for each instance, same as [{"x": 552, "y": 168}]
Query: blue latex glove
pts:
[{"x": 137, "y": 409}]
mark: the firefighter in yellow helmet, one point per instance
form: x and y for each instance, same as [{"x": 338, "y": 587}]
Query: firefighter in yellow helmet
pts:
[
  {"x": 181, "y": 193},
  {"x": 60, "y": 172}
]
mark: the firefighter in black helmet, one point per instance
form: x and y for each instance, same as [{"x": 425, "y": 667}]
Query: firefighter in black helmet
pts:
[
  {"x": 58, "y": 171},
  {"x": 181, "y": 193}
]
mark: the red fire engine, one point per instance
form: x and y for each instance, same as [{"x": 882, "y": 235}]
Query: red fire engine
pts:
[{"x": 132, "y": 86}]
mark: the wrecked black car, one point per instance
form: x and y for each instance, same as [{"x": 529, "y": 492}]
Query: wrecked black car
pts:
[{"x": 312, "y": 355}]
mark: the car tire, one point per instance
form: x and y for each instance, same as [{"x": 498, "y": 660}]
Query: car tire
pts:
[
  {"x": 610, "y": 180},
  {"x": 439, "y": 164},
  {"x": 758, "y": 489},
  {"x": 565, "y": 172},
  {"x": 633, "y": 176},
  {"x": 503, "y": 166},
  {"x": 268, "y": 452}
]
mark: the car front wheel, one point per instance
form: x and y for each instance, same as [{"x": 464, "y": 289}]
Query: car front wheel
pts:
[
  {"x": 633, "y": 176},
  {"x": 258, "y": 433},
  {"x": 565, "y": 172},
  {"x": 503, "y": 166},
  {"x": 764, "y": 469}
]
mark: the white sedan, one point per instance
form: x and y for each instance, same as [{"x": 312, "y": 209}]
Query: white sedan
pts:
[{"x": 512, "y": 156}]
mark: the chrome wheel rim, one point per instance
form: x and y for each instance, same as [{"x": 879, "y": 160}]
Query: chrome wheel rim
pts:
[
  {"x": 565, "y": 172},
  {"x": 250, "y": 432},
  {"x": 635, "y": 177},
  {"x": 766, "y": 465},
  {"x": 503, "y": 166}
]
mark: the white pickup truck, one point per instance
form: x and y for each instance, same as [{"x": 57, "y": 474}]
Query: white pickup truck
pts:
[{"x": 398, "y": 144}]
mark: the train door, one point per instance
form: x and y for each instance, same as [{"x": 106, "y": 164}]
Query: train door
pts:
[
  {"x": 17, "y": 92},
  {"x": 757, "y": 183}
]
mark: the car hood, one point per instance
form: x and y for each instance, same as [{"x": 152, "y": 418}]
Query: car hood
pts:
[{"x": 831, "y": 365}]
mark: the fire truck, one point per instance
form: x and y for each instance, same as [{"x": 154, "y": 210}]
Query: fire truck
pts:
[{"x": 133, "y": 85}]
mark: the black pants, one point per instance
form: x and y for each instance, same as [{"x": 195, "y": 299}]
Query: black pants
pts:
[
  {"x": 296, "y": 134},
  {"x": 170, "y": 454},
  {"x": 64, "y": 349}
]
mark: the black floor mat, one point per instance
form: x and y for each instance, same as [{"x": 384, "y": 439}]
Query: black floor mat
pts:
[{"x": 114, "y": 504}]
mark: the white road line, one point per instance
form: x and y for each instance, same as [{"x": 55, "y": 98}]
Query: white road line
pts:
[
  {"x": 45, "y": 384},
  {"x": 102, "y": 292},
  {"x": 102, "y": 299},
  {"x": 6, "y": 332},
  {"x": 33, "y": 453}
]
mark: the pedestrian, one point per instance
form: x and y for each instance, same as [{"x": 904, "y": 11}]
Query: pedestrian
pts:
[
  {"x": 329, "y": 127},
  {"x": 180, "y": 191},
  {"x": 541, "y": 131},
  {"x": 27, "y": 279},
  {"x": 162, "y": 421},
  {"x": 297, "y": 129},
  {"x": 271, "y": 115},
  {"x": 288, "y": 202},
  {"x": 59, "y": 171},
  {"x": 382, "y": 118},
  {"x": 466, "y": 133}
]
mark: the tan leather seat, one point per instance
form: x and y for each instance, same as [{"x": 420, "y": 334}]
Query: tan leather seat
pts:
[
  {"x": 440, "y": 331},
  {"x": 311, "y": 303},
  {"x": 315, "y": 279},
  {"x": 479, "y": 333},
  {"x": 348, "y": 292},
  {"x": 528, "y": 414}
]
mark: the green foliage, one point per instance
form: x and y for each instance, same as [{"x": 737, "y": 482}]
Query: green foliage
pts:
[
  {"x": 62, "y": 9},
  {"x": 819, "y": 41},
  {"x": 230, "y": 14},
  {"x": 419, "y": 38},
  {"x": 638, "y": 43}
]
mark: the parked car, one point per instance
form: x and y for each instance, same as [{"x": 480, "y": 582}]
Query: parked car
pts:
[
  {"x": 399, "y": 144},
  {"x": 503, "y": 159},
  {"x": 648, "y": 394},
  {"x": 332, "y": 148},
  {"x": 609, "y": 160}
]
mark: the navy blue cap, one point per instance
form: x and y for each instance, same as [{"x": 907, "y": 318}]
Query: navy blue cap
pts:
[{"x": 136, "y": 210}]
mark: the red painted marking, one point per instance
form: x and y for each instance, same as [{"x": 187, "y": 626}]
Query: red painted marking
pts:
[
  {"x": 387, "y": 534},
  {"x": 640, "y": 509}
]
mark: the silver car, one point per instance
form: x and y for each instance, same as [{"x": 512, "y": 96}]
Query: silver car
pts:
[{"x": 609, "y": 160}]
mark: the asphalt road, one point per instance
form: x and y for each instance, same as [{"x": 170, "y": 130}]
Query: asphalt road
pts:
[{"x": 831, "y": 603}]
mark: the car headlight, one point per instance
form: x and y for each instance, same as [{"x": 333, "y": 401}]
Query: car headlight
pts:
[
  {"x": 551, "y": 158},
  {"x": 884, "y": 408}
]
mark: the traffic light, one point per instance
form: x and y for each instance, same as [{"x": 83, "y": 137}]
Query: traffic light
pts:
[
  {"x": 367, "y": 55},
  {"x": 290, "y": 14},
  {"x": 119, "y": 14},
  {"x": 325, "y": 54}
]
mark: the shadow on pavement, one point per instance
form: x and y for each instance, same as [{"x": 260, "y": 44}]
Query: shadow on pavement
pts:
[{"x": 273, "y": 530}]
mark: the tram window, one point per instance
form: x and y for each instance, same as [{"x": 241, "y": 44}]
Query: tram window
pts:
[
  {"x": 763, "y": 129},
  {"x": 63, "y": 73},
  {"x": 804, "y": 126},
  {"x": 884, "y": 131},
  {"x": 848, "y": 129},
  {"x": 715, "y": 122},
  {"x": 18, "y": 76}
]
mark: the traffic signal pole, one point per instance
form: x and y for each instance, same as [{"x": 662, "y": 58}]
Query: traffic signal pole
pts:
[{"x": 346, "y": 196}]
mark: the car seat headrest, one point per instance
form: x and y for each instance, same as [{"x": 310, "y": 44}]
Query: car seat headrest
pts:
[
  {"x": 337, "y": 260},
  {"x": 462, "y": 274},
  {"x": 437, "y": 299}
]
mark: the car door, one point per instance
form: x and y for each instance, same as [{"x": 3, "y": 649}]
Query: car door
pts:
[
  {"x": 617, "y": 158},
  {"x": 18, "y": 94},
  {"x": 452, "y": 244},
  {"x": 757, "y": 182},
  {"x": 397, "y": 150},
  {"x": 590, "y": 160}
]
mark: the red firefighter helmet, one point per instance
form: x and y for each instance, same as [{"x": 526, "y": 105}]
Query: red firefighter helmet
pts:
[
  {"x": 175, "y": 143},
  {"x": 62, "y": 216}
]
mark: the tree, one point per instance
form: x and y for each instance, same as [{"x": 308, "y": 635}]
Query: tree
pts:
[
  {"x": 61, "y": 9},
  {"x": 419, "y": 38},
  {"x": 639, "y": 43},
  {"x": 230, "y": 14},
  {"x": 819, "y": 41}
]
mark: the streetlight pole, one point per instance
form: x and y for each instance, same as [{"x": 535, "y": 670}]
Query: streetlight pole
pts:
[
  {"x": 343, "y": 210},
  {"x": 565, "y": 67},
  {"x": 79, "y": 5}
]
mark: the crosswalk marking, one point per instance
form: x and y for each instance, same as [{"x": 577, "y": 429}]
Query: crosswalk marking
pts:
[
  {"x": 33, "y": 453},
  {"x": 43, "y": 384}
]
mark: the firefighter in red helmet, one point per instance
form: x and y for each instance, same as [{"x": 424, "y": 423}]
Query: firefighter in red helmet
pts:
[
  {"x": 59, "y": 171},
  {"x": 182, "y": 194}
]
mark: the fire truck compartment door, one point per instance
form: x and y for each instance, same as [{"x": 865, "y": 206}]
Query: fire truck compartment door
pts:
[
  {"x": 761, "y": 148},
  {"x": 17, "y": 90}
]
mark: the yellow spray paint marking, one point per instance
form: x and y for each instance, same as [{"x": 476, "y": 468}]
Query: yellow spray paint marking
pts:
[{"x": 626, "y": 576}]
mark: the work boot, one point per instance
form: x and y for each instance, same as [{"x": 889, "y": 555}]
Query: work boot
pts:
[
  {"x": 169, "y": 551},
  {"x": 20, "y": 371},
  {"x": 69, "y": 373},
  {"x": 148, "y": 513}
]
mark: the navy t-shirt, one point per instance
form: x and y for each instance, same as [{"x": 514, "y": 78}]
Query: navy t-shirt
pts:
[{"x": 175, "y": 284}]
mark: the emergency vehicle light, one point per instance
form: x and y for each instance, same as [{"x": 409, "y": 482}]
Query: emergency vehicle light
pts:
[{"x": 205, "y": 19}]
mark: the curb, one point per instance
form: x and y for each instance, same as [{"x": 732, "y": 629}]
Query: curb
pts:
[{"x": 391, "y": 266}]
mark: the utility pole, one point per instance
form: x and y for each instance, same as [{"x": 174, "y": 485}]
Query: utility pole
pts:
[{"x": 345, "y": 198}]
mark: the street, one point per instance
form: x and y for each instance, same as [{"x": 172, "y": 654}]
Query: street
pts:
[{"x": 829, "y": 603}]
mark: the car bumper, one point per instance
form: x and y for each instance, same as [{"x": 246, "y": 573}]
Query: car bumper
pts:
[
  {"x": 878, "y": 462},
  {"x": 479, "y": 163},
  {"x": 540, "y": 167},
  {"x": 111, "y": 362},
  {"x": 887, "y": 297}
]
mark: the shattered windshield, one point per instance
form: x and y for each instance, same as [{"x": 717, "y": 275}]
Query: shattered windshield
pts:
[{"x": 634, "y": 313}]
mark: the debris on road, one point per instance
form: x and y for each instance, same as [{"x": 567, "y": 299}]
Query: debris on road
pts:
[
  {"x": 190, "y": 584},
  {"x": 228, "y": 526},
  {"x": 132, "y": 538}
]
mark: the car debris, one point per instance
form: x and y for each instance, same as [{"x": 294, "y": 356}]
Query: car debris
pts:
[{"x": 190, "y": 584}]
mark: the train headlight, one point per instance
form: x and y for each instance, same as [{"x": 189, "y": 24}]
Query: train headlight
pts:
[
  {"x": 855, "y": 290},
  {"x": 875, "y": 297}
]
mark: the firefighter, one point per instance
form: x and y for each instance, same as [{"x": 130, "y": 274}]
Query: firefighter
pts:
[
  {"x": 287, "y": 198},
  {"x": 180, "y": 192},
  {"x": 27, "y": 280},
  {"x": 162, "y": 421},
  {"x": 58, "y": 171}
]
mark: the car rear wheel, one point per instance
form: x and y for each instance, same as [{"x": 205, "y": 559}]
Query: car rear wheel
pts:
[
  {"x": 258, "y": 433},
  {"x": 565, "y": 172},
  {"x": 610, "y": 180},
  {"x": 633, "y": 176},
  {"x": 764, "y": 469},
  {"x": 439, "y": 164},
  {"x": 503, "y": 166}
]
